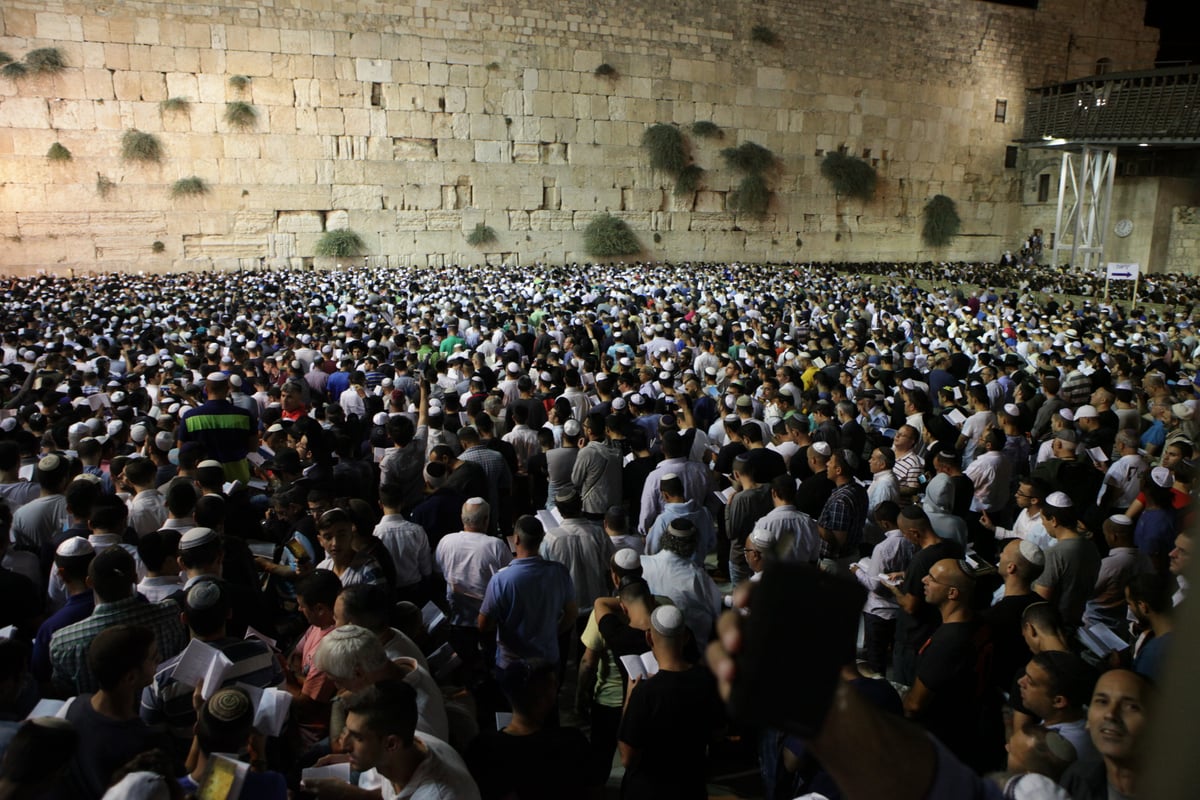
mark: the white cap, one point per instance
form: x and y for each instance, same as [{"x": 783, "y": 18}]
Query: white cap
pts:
[
  {"x": 667, "y": 621},
  {"x": 1012, "y": 409},
  {"x": 823, "y": 448},
  {"x": 1086, "y": 412},
  {"x": 627, "y": 558},
  {"x": 1121, "y": 519},
  {"x": 164, "y": 440},
  {"x": 1059, "y": 500},
  {"x": 217, "y": 377},
  {"x": 618, "y": 403},
  {"x": 75, "y": 546},
  {"x": 1163, "y": 477},
  {"x": 761, "y": 537},
  {"x": 209, "y": 463},
  {"x": 138, "y": 433},
  {"x": 197, "y": 537},
  {"x": 1032, "y": 553},
  {"x": 572, "y": 428}
]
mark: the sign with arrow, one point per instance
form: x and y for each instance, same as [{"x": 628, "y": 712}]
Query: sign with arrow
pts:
[{"x": 1123, "y": 272}]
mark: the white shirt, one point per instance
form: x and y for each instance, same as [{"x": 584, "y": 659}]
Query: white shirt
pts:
[
  {"x": 789, "y": 521},
  {"x": 890, "y": 555},
  {"x": 442, "y": 775},
  {"x": 584, "y": 549},
  {"x": 991, "y": 473},
  {"x": 1124, "y": 479},
  {"x": 468, "y": 561},
  {"x": 688, "y": 587},
  {"x": 351, "y": 403},
  {"x": 1028, "y": 527},
  {"x": 147, "y": 511},
  {"x": 409, "y": 547}
]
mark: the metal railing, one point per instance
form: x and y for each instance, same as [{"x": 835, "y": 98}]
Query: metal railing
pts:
[{"x": 1155, "y": 107}]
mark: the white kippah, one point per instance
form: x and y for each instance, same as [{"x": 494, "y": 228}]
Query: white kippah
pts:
[
  {"x": 761, "y": 537},
  {"x": 209, "y": 463},
  {"x": 197, "y": 537},
  {"x": 475, "y": 501},
  {"x": 667, "y": 620},
  {"x": 205, "y": 594},
  {"x": 1120, "y": 519},
  {"x": 823, "y": 448},
  {"x": 670, "y": 476},
  {"x": 1162, "y": 477},
  {"x": 1032, "y": 553},
  {"x": 627, "y": 558},
  {"x": 50, "y": 463},
  {"x": 1059, "y": 500},
  {"x": 75, "y": 546}
]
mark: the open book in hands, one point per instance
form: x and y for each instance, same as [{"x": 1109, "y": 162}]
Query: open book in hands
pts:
[{"x": 642, "y": 666}]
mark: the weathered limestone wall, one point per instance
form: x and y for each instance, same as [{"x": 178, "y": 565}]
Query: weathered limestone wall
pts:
[
  {"x": 1183, "y": 251},
  {"x": 411, "y": 122}
]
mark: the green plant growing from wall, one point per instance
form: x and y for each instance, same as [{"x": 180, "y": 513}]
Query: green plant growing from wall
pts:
[
  {"x": 239, "y": 82},
  {"x": 189, "y": 187},
  {"x": 763, "y": 34},
  {"x": 157, "y": 247},
  {"x": 140, "y": 146},
  {"x": 751, "y": 197},
  {"x": 667, "y": 148},
  {"x": 689, "y": 179},
  {"x": 5, "y": 58},
  {"x": 605, "y": 71},
  {"x": 58, "y": 153},
  {"x": 45, "y": 61},
  {"x": 103, "y": 185},
  {"x": 942, "y": 222},
  {"x": 850, "y": 176},
  {"x": 177, "y": 104},
  {"x": 493, "y": 66},
  {"x": 607, "y": 236},
  {"x": 341, "y": 243},
  {"x": 748, "y": 157},
  {"x": 480, "y": 235},
  {"x": 14, "y": 70},
  {"x": 706, "y": 129},
  {"x": 241, "y": 115}
]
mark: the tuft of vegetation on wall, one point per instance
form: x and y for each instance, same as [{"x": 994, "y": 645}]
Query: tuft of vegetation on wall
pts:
[
  {"x": 850, "y": 176},
  {"x": 239, "y": 82},
  {"x": 942, "y": 222},
  {"x": 189, "y": 187},
  {"x": 764, "y": 34},
  {"x": 141, "y": 146},
  {"x": 480, "y": 235},
  {"x": 103, "y": 185},
  {"x": 667, "y": 148},
  {"x": 605, "y": 71},
  {"x": 342, "y": 243},
  {"x": 751, "y": 197},
  {"x": 706, "y": 129},
  {"x": 58, "y": 153},
  {"x": 689, "y": 179},
  {"x": 241, "y": 115},
  {"x": 607, "y": 236},
  {"x": 175, "y": 104},
  {"x": 45, "y": 60}
]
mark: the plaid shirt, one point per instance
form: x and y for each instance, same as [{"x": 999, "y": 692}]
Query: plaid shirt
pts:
[
  {"x": 69, "y": 645},
  {"x": 845, "y": 510}
]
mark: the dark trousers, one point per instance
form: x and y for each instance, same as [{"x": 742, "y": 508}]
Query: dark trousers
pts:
[
  {"x": 606, "y": 722},
  {"x": 878, "y": 636}
]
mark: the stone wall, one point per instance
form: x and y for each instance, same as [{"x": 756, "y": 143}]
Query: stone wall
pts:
[
  {"x": 1183, "y": 250},
  {"x": 411, "y": 122}
]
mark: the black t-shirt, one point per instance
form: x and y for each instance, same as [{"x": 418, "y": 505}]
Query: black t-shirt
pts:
[
  {"x": 622, "y": 639},
  {"x": 765, "y": 465},
  {"x": 1003, "y": 622},
  {"x": 725, "y": 457},
  {"x": 947, "y": 668},
  {"x": 20, "y": 602},
  {"x": 105, "y": 745},
  {"x": 668, "y": 721},
  {"x": 633, "y": 480},
  {"x": 546, "y": 765},
  {"x": 813, "y": 492},
  {"x": 914, "y": 629}
]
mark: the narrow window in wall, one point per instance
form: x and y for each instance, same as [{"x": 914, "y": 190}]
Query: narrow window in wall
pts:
[{"x": 1044, "y": 187}]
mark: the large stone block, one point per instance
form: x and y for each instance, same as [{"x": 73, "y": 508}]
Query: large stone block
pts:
[
  {"x": 377, "y": 70},
  {"x": 67, "y": 27},
  {"x": 300, "y": 222},
  {"x": 495, "y": 152},
  {"x": 252, "y": 63}
]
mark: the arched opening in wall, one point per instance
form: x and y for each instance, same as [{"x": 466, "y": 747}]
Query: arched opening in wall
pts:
[{"x": 1104, "y": 65}]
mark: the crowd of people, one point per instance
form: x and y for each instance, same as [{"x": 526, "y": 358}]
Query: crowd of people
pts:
[{"x": 489, "y": 532}]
